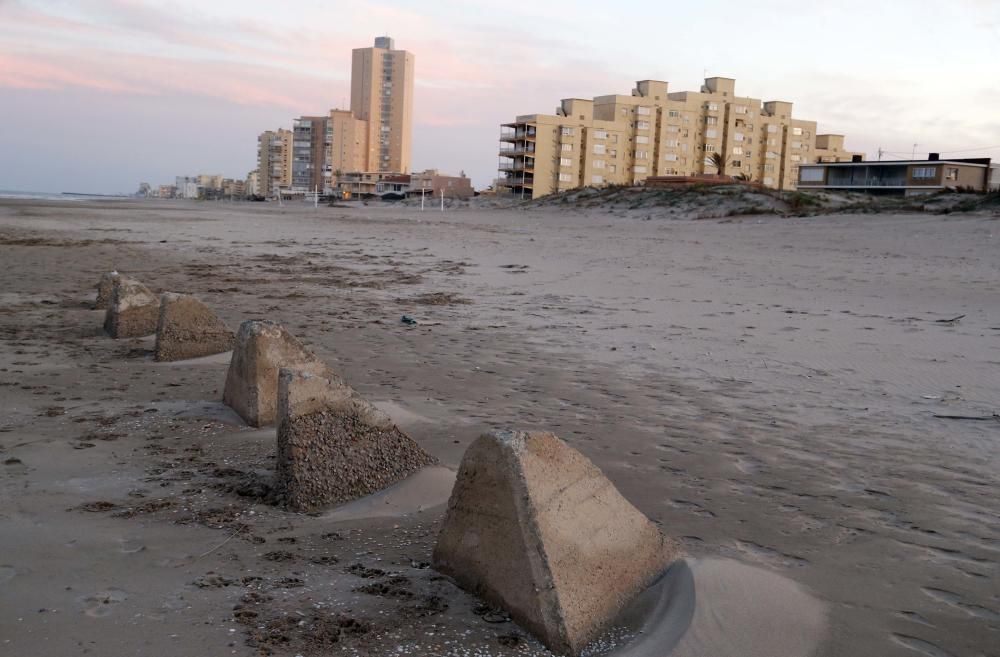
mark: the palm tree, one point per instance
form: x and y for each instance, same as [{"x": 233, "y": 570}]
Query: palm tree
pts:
[
  {"x": 717, "y": 160},
  {"x": 745, "y": 177}
]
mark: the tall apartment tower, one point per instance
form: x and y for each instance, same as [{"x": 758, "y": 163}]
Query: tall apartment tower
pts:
[
  {"x": 382, "y": 95},
  {"x": 274, "y": 161},
  {"x": 309, "y": 148},
  {"x": 618, "y": 139}
]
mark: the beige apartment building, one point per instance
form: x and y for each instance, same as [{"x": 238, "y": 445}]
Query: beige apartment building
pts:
[
  {"x": 830, "y": 148},
  {"x": 347, "y": 137},
  {"x": 382, "y": 95},
  {"x": 622, "y": 140},
  {"x": 274, "y": 161}
]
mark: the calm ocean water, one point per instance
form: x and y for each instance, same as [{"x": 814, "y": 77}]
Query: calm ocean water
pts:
[{"x": 51, "y": 196}]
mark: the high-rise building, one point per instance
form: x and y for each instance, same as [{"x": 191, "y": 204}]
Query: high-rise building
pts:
[
  {"x": 309, "y": 147},
  {"x": 625, "y": 139},
  {"x": 274, "y": 161},
  {"x": 382, "y": 95},
  {"x": 374, "y": 136}
]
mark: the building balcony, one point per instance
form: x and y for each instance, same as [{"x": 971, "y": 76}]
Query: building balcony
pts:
[
  {"x": 520, "y": 149},
  {"x": 517, "y": 166},
  {"x": 516, "y": 132}
]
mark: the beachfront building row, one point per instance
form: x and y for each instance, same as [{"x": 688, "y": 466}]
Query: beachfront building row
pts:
[
  {"x": 374, "y": 135},
  {"x": 903, "y": 177},
  {"x": 622, "y": 140}
]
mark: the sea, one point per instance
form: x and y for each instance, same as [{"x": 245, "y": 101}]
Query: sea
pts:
[{"x": 54, "y": 196}]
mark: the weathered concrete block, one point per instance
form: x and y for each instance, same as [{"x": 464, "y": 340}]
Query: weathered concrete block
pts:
[
  {"x": 533, "y": 526},
  {"x": 104, "y": 288},
  {"x": 133, "y": 310},
  {"x": 187, "y": 328},
  {"x": 262, "y": 348},
  {"x": 333, "y": 446}
]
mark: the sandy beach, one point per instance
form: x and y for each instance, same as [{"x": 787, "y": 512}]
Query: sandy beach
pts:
[{"x": 805, "y": 404}]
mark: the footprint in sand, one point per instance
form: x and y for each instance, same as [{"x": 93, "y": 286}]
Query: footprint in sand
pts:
[{"x": 102, "y": 603}]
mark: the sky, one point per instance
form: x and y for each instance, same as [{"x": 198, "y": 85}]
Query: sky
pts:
[{"x": 99, "y": 95}]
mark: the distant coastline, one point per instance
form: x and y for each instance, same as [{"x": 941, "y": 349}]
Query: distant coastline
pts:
[{"x": 55, "y": 196}]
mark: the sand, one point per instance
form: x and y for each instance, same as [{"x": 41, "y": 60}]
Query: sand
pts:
[{"x": 764, "y": 388}]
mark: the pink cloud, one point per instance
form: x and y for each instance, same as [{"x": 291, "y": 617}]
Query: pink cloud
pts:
[{"x": 461, "y": 78}]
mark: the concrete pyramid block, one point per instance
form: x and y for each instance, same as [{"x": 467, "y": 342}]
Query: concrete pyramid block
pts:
[
  {"x": 104, "y": 288},
  {"x": 133, "y": 310},
  {"x": 533, "y": 526},
  {"x": 333, "y": 446},
  {"x": 187, "y": 328},
  {"x": 262, "y": 348}
]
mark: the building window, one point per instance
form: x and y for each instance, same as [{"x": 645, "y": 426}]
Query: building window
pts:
[
  {"x": 567, "y": 147},
  {"x": 672, "y": 128},
  {"x": 736, "y": 164},
  {"x": 740, "y": 109},
  {"x": 771, "y": 155},
  {"x": 613, "y": 168},
  {"x": 614, "y": 139},
  {"x": 598, "y": 164},
  {"x": 768, "y": 180},
  {"x": 670, "y": 157},
  {"x": 924, "y": 173},
  {"x": 613, "y": 152},
  {"x": 684, "y": 147},
  {"x": 565, "y": 177},
  {"x": 599, "y": 149},
  {"x": 769, "y": 168},
  {"x": 796, "y": 144},
  {"x": 737, "y": 150},
  {"x": 642, "y": 111},
  {"x": 641, "y": 155},
  {"x": 674, "y": 114},
  {"x": 711, "y": 120},
  {"x": 642, "y": 125},
  {"x": 711, "y": 134},
  {"x": 738, "y": 136},
  {"x": 567, "y": 131},
  {"x": 811, "y": 174},
  {"x": 600, "y": 134},
  {"x": 709, "y": 148},
  {"x": 671, "y": 143},
  {"x": 772, "y": 128},
  {"x": 565, "y": 162},
  {"x": 797, "y": 132},
  {"x": 597, "y": 180},
  {"x": 951, "y": 173},
  {"x": 639, "y": 169},
  {"x": 642, "y": 139},
  {"x": 795, "y": 158},
  {"x": 713, "y": 107}
]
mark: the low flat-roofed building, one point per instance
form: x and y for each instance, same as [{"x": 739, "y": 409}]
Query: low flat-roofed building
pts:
[
  {"x": 433, "y": 183},
  {"x": 903, "y": 177}
]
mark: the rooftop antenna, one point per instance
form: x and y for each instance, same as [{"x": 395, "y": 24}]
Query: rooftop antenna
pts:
[
  {"x": 880, "y": 152},
  {"x": 913, "y": 155}
]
